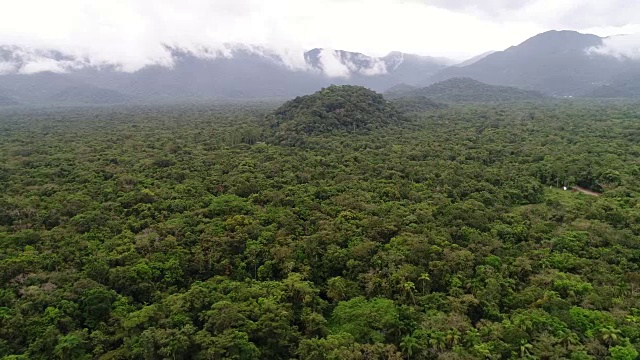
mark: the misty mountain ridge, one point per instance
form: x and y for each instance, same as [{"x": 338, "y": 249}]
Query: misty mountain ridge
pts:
[
  {"x": 461, "y": 90},
  {"x": 557, "y": 63},
  {"x": 236, "y": 73},
  {"x": 332, "y": 63}
]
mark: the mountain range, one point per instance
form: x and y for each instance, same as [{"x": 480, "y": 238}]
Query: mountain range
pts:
[
  {"x": 556, "y": 63},
  {"x": 559, "y": 63}
]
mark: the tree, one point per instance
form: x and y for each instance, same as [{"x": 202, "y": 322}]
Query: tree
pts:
[
  {"x": 610, "y": 335},
  {"x": 626, "y": 352},
  {"x": 409, "y": 287},
  {"x": 425, "y": 279},
  {"x": 368, "y": 321},
  {"x": 409, "y": 346},
  {"x": 72, "y": 346}
]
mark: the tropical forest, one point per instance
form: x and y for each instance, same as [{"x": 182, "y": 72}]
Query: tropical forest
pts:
[{"x": 337, "y": 225}]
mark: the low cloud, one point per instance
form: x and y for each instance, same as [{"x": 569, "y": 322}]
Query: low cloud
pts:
[
  {"x": 620, "y": 46},
  {"x": 341, "y": 64},
  {"x": 7, "y": 67},
  {"x": 132, "y": 34},
  {"x": 378, "y": 68},
  {"x": 30, "y": 61},
  {"x": 365, "y": 65},
  {"x": 332, "y": 66},
  {"x": 42, "y": 65}
]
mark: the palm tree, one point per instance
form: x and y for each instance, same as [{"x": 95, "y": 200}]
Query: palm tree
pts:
[
  {"x": 425, "y": 278},
  {"x": 438, "y": 341},
  {"x": 569, "y": 339},
  {"x": 472, "y": 337},
  {"x": 453, "y": 337},
  {"x": 409, "y": 345},
  {"x": 525, "y": 347},
  {"x": 609, "y": 335},
  {"x": 632, "y": 319},
  {"x": 410, "y": 287},
  {"x": 483, "y": 350}
]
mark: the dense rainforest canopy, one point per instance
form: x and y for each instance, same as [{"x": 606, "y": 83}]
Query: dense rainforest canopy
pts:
[{"x": 176, "y": 233}]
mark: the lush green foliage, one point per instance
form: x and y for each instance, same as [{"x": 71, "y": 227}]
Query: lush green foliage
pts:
[
  {"x": 344, "y": 107},
  {"x": 173, "y": 233},
  {"x": 468, "y": 90}
]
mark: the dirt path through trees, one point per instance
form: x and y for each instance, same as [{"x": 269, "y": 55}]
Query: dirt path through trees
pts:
[{"x": 586, "y": 191}]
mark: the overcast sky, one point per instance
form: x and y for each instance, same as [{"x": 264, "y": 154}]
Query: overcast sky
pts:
[{"x": 131, "y": 32}]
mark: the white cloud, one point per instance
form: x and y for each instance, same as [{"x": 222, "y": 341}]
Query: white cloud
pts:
[
  {"x": 331, "y": 64},
  {"x": 339, "y": 64},
  {"x": 42, "y": 64},
  {"x": 621, "y": 46},
  {"x": 134, "y": 33},
  {"x": 377, "y": 68},
  {"x": 7, "y": 67}
]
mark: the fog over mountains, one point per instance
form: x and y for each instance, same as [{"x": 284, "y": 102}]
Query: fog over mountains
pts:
[{"x": 556, "y": 63}]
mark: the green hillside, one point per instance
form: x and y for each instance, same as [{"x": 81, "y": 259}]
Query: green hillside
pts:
[
  {"x": 399, "y": 90},
  {"x": 336, "y": 108},
  {"x": 469, "y": 90}
]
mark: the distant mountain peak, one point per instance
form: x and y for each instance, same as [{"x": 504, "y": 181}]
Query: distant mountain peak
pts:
[
  {"x": 558, "y": 41},
  {"x": 557, "y": 63}
]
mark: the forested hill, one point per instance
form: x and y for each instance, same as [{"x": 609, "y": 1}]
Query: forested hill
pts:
[
  {"x": 399, "y": 90},
  {"x": 469, "y": 90},
  {"x": 345, "y": 107}
]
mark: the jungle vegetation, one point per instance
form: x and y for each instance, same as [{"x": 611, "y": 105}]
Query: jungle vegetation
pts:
[{"x": 184, "y": 232}]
